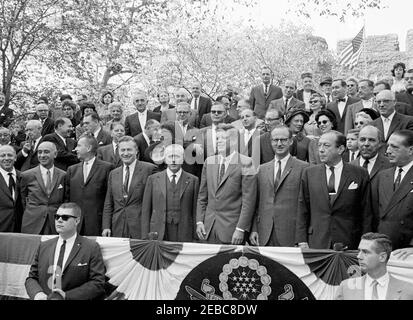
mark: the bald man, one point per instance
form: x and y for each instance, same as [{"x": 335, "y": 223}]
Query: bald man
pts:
[
  {"x": 42, "y": 190},
  {"x": 27, "y": 157}
]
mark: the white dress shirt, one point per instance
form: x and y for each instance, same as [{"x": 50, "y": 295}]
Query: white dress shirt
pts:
[
  {"x": 342, "y": 106},
  {"x": 193, "y": 103},
  {"x": 382, "y": 286},
  {"x": 69, "y": 246},
  {"x": 87, "y": 166},
  {"x": 248, "y": 134},
  {"x": 214, "y": 136},
  {"x": 142, "y": 118},
  {"x": 338, "y": 169},
  {"x": 114, "y": 144},
  {"x": 43, "y": 172},
  {"x": 6, "y": 177},
  {"x": 367, "y": 103},
  {"x": 131, "y": 170},
  {"x": 371, "y": 163},
  {"x": 306, "y": 99},
  {"x": 406, "y": 169},
  {"x": 148, "y": 141},
  {"x": 283, "y": 164},
  {"x": 178, "y": 174},
  {"x": 96, "y": 133},
  {"x": 386, "y": 123},
  {"x": 350, "y": 155}
]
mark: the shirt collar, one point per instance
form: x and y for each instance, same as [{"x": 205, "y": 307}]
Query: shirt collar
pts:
[
  {"x": 383, "y": 280},
  {"x": 372, "y": 159},
  {"x": 390, "y": 117},
  {"x": 64, "y": 139},
  {"x": 283, "y": 160},
  {"x": 227, "y": 159},
  {"x": 96, "y": 133},
  {"x": 141, "y": 114},
  {"x": 43, "y": 170},
  {"x": 170, "y": 173},
  {"x": 407, "y": 167},
  {"x": 6, "y": 173},
  {"x": 90, "y": 161},
  {"x": 69, "y": 240},
  {"x": 337, "y": 166},
  {"x": 146, "y": 137},
  {"x": 131, "y": 166}
]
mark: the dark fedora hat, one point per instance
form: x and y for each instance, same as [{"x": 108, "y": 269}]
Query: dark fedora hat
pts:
[
  {"x": 290, "y": 115},
  {"x": 326, "y": 80}
]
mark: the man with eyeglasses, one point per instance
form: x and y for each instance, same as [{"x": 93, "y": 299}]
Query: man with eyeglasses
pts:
[
  {"x": 42, "y": 191},
  {"x": 42, "y": 114},
  {"x": 262, "y": 95},
  {"x": 334, "y": 205},
  {"x": 181, "y": 95},
  {"x": 273, "y": 118},
  {"x": 407, "y": 97},
  {"x": 307, "y": 91},
  {"x": 68, "y": 267},
  {"x": 145, "y": 138},
  {"x": 241, "y": 106},
  {"x": 288, "y": 102},
  {"x": 206, "y": 120},
  {"x": 401, "y": 107},
  {"x": 135, "y": 122},
  {"x": 202, "y": 105},
  {"x": 6, "y": 114},
  {"x": 5, "y": 138},
  {"x": 390, "y": 120},
  {"x": 278, "y": 188}
]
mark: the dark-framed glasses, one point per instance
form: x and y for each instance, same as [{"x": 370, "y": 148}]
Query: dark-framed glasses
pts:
[{"x": 64, "y": 217}]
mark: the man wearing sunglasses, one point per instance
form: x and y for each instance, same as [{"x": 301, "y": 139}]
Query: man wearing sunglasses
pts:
[
  {"x": 135, "y": 122},
  {"x": 68, "y": 267}
]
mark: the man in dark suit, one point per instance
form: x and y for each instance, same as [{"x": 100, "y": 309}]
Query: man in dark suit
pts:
[
  {"x": 370, "y": 142},
  {"x": 27, "y": 156},
  {"x": 163, "y": 98},
  {"x": 305, "y": 93},
  {"x": 249, "y": 136},
  {"x": 169, "y": 201},
  {"x": 68, "y": 267},
  {"x": 122, "y": 212},
  {"x": 65, "y": 145},
  {"x": 277, "y": 193},
  {"x": 335, "y": 201},
  {"x": 110, "y": 153},
  {"x": 262, "y": 95},
  {"x": 401, "y": 107},
  {"x": 199, "y": 103},
  {"x": 393, "y": 194},
  {"x": 10, "y": 197},
  {"x": 325, "y": 87},
  {"x": 206, "y": 120},
  {"x": 273, "y": 118},
  {"x": 92, "y": 125},
  {"x": 86, "y": 185},
  {"x": 390, "y": 120},
  {"x": 5, "y": 139},
  {"x": 6, "y": 114},
  {"x": 407, "y": 97},
  {"x": 144, "y": 139},
  {"x": 227, "y": 193},
  {"x": 288, "y": 102},
  {"x": 135, "y": 122},
  {"x": 341, "y": 103},
  {"x": 42, "y": 114},
  {"x": 42, "y": 191}
]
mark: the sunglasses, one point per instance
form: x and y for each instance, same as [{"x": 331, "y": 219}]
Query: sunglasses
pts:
[
  {"x": 217, "y": 111},
  {"x": 314, "y": 101},
  {"x": 358, "y": 123},
  {"x": 64, "y": 217},
  {"x": 323, "y": 122},
  {"x": 182, "y": 112},
  {"x": 383, "y": 101}
]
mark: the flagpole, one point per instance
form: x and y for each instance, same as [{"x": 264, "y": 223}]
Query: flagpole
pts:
[{"x": 365, "y": 48}]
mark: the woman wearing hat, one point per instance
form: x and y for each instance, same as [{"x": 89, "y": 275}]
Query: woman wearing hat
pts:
[
  {"x": 364, "y": 117},
  {"x": 317, "y": 103},
  {"x": 295, "y": 120},
  {"x": 326, "y": 121}
]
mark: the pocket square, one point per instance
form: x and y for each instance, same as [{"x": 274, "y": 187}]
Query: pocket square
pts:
[
  {"x": 82, "y": 264},
  {"x": 60, "y": 186},
  {"x": 353, "y": 186}
]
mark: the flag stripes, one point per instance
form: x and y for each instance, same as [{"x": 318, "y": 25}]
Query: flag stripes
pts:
[{"x": 349, "y": 57}]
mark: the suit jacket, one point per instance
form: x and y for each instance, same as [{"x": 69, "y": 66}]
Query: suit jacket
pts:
[
  {"x": 277, "y": 208},
  {"x": 83, "y": 275},
  {"x": 231, "y": 203},
  {"x": 107, "y": 154},
  {"x": 399, "y": 122},
  {"x": 346, "y": 155},
  {"x": 25, "y": 163},
  {"x": 313, "y": 155},
  {"x": 193, "y": 161},
  {"x": 405, "y": 97},
  {"x": 299, "y": 94},
  {"x": 381, "y": 164},
  {"x": 170, "y": 115},
  {"x": 154, "y": 206},
  {"x": 65, "y": 153},
  {"x": 353, "y": 289},
  {"x": 89, "y": 195},
  {"x": 104, "y": 138},
  {"x": 6, "y": 116},
  {"x": 341, "y": 121},
  {"x": 206, "y": 120},
  {"x": 158, "y": 108},
  {"x": 123, "y": 215},
  {"x": 266, "y": 151},
  {"x": 204, "y": 107},
  {"x": 293, "y": 104},
  {"x": 48, "y": 126},
  {"x": 11, "y": 210},
  {"x": 133, "y": 126},
  {"x": 323, "y": 220},
  {"x": 252, "y": 148},
  {"x": 394, "y": 208},
  {"x": 39, "y": 208},
  {"x": 302, "y": 144},
  {"x": 142, "y": 145},
  {"x": 260, "y": 102}
]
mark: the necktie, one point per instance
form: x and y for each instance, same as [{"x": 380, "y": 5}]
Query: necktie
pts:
[
  {"x": 49, "y": 182},
  {"x": 286, "y": 105},
  {"x": 174, "y": 179},
  {"x": 126, "y": 182},
  {"x": 59, "y": 266},
  {"x": 85, "y": 171},
  {"x": 328, "y": 98},
  {"x": 12, "y": 184},
  {"x": 266, "y": 89},
  {"x": 278, "y": 175},
  {"x": 331, "y": 182},
  {"x": 196, "y": 104},
  {"x": 366, "y": 163},
  {"x": 398, "y": 180},
  {"x": 375, "y": 294},
  {"x": 221, "y": 172},
  {"x": 352, "y": 156}
]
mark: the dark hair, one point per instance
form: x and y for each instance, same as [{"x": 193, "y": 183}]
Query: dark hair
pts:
[
  {"x": 354, "y": 131},
  {"x": 327, "y": 113},
  {"x": 162, "y": 91},
  {"x": 342, "y": 81},
  {"x": 86, "y": 104},
  {"x": 76, "y": 210},
  {"x": 95, "y": 117},
  {"x": 150, "y": 123},
  {"x": 407, "y": 135},
  {"x": 104, "y": 94},
  {"x": 170, "y": 126},
  {"x": 91, "y": 140},
  {"x": 128, "y": 139},
  {"x": 382, "y": 241},
  {"x": 383, "y": 82},
  {"x": 114, "y": 123},
  {"x": 219, "y": 99},
  {"x": 69, "y": 103},
  {"x": 369, "y": 82},
  {"x": 44, "y": 99},
  {"x": 281, "y": 126},
  {"x": 371, "y": 112},
  {"x": 306, "y": 75},
  {"x": 64, "y": 97},
  {"x": 341, "y": 139},
  {"x": 398, "y": 64},
  {"x": 59, "y": 122}
]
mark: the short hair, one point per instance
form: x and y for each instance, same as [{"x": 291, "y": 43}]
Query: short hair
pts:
[
  {"x": 398, "y": 64},
  {"x": 266, "y": 67},
  {"x": 150, "y": 123},
  {"x": 282, "y": 126},
  {"x": 369, "y": 82},
  {"x": 383, "y": 82},
  {"x": 253, "y": 112},
  {"x": 340, "y": 138},
  {"x": 220, "y": 98},
  {"x": 330, "y": 115},
  {"x": 7, "y": 146},
  {"x": 35, "y": 122},
  {"x": 323, "y": 100},
  {"x": 116, "y": 105},
  {"x": 59, "y": 122},
  {"x": 228, "y": 127},
  {"x": 407, "y": 135},
  {"x": 352, "y": 79},
  {"x": 162, "y": 91},
  {"x": 353, "y": 131},
  {"x": 371, "y": 112},
  {"x": 104, "y": 93},
  {"x": 177, "y": 147},
  {"x": 94, "y": 116},
  {"x": 140, "y": 93},
  {"x": 306, "y": 75},
  {"x": 342, "y": 82},
  {"x": 380, "y": 136},
  {"x": 43, "y": 99},
  {"x": 185, "y": 104},
  {"x": 289, "y": 80},
  {"x": 64, "y": 97},
  {"x": 217, "y": 104},
  {"x": 382, "y": 242},
  {"x": 86, "y": 104},
  {"x": 128, "y": 139},
  {"x": 69, "y": 103},
  {"x": 91, "y": 141},
  {"x": 271, "y": 109},
  {"x": 76, "y": 210},
  {"x": 115, "y": 123},
  {"x": 170, "y": 126}
]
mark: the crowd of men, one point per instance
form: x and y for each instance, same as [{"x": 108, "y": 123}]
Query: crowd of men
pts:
[{"x": 315, "y": 168}]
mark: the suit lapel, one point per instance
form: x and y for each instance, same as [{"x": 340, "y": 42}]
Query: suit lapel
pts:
[
  {"x": 184, "y": 183},
  {"x": 92, "y": 171},
  {"x": 270, "y": 173},
  {"x": 52, "y": 249},
  {"x": 135, "y": 178},
  {"x": 56, "y": 175},
  {"x": 405, "y": 187},
  {"x": 345, "y": 175},
  {"x": 334, "y": 108},
  {"x": 323, "y": 176},
  {"x": 4, "y": 186},
  {"x": 73, "y": 253},
  {"x": 286, "y": 172},
  {"x": 376, "y": 167},
  {"x": 162, "y": 183},
  {"x": 39, "y": 178},
  {"x": 393, "y": 125},
  {"x": 393, "y": 291}
]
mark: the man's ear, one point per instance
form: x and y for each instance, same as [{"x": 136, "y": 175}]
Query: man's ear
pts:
[{"x": 341, "y": 149}]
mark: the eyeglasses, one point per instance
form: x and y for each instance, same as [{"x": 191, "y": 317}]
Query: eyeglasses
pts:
[
  {"x": 182, "y": 112},
  {"x": 4, "y": 134},
  {"x": 358, "y": 123},
  {"x": 408, "y": 78},
  {"x": 323, "y": 122},
  {"x": 351, "y": 85},
  {"x": 314, "y": 101},
  {"x": 64, "y": 217},
  {"x": 217, "y": 111},
  {"x": 282, "y": 141},
  {"x": 383, "y": 101}
]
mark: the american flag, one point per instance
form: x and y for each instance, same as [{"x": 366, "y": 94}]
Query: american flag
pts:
[{"x": 349, "y": 57}]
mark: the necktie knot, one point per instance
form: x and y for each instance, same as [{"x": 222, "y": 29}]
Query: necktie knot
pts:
[
  {"x": 332, "y": 168},
  {"x": 341, "y": 100}
]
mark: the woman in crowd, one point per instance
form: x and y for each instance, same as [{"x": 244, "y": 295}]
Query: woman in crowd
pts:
[
  {"x": 115, "y": 113},
  {"x": 317, "y": 103},
  {"x": 295, "y": 120},
  {"x": 352, "y": 87},
  {"x": 364, "y": 117},
  {"x": 86, "y": 108},
  {"x": 105, "y": 100},
  {"x": 398, "y": 71}
]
